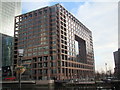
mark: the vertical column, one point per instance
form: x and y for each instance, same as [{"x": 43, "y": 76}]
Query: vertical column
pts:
[
  {"x": 0, "y": 61},
  {"x": 118, "y": 72}
]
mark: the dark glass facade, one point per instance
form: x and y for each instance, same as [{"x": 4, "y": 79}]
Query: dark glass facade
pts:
[
  {"x": 7, "y": 50},
  {"x": 6, "y": 55},
  {"x": 117, "y": 63},
  {"x": 48, "y": 37}
]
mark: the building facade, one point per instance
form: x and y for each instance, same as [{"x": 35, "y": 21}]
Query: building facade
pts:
[
  {"x": 117, "y": 63},
  {"x": 56, "y": 45},
  {"x": 7, "y": 50},
  {"x": 6, "y": 55},
  {"x": 8, "y": 10}
]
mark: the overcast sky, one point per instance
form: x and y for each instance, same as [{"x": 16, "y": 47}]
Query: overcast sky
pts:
[{"x": 100, "y": 17}]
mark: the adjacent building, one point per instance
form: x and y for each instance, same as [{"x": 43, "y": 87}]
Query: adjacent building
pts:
[
  {"x": 117, "y": 63},
  {"x": 7, "y": 54},
  {"x": 7, "y": 50},
  {"x": 8, "y": 10},
  {"x": 56, "y": 45}
]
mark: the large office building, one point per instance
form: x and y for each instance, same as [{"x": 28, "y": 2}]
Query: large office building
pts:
[
  {"x": 56, "y": 44},
  {"x": 117, "y": 63}
]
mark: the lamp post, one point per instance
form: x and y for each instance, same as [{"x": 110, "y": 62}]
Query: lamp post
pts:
[
  {"x": 106, "y": 69},
  {"x": 20, "y": 54},
  {"x": 0, "y": 78}
]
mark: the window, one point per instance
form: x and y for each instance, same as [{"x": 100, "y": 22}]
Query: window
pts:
[
  {"x": 39, "y": 58},
  {"x": 52, "y": 15},
  {"x": 63, "y": 57},
  {"x": 35, "y": 14},
  {"x": 53, "y": 47},
  {"x": 40, "y": 12},
  {"x": 45, "y": 11},
  {"x": 59, "y": 63},
  {"x": 63, "y": 63},
  {"x": 53, "y": 71},
  {"x": 34, "y": 49},
  {"x": 34, "y": 65},
  {"x": 35, "y": 59},
  {"x": 45, "y": 57},
  {"x": 52, "y": 9},
  {"x": 45, "y": 71},
  {"x": 52, "y": 57},
  {"x": 63, "y": 70},
  {"x": 59, "y": 70},
  {"x": 40, "y": 53},
  {"x": 30, "y": 15},
  {"x": 40, "y": 71},
  {"x": 45, "y": 64},
  {"x": 76, "y": 47},
  {"x": 54, "y": 64},
  {"x": 35, "y": 53},
  {"x": 52, "y": 52},
  {"x": 29, "y": 54},
  {"x": 46, "y": 52},
  {"x": 40, "y": 65}
]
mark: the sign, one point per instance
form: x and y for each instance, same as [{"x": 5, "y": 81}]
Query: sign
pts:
[{"x": 20, "y": 52}]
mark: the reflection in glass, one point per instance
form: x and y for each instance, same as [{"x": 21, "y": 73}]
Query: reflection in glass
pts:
[{"x": 76, "y": 47}]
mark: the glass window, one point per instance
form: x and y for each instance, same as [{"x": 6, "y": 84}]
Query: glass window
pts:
[
  {"x": 40, "y": 65},
  {"x": 52, "y": 9},
  {"x": 40, "y": 53},
  {"x": 54, "y": 64},
  {"x": 39, "y": 48},
  {"x": 45, "y": 71},
  {"x": 45, "y": 57},
  {"x": 62, "y": 63},
  {"x": 53, "y": 71},
  {"x": 35, "y": 53},
  {"x": 45, "y": 11},
  {"x": 45, "y": 64},
  {"x": 40, "y": 71},
  {"x": 39, "y": 58},
  {"x": 77, "y": 47},
  {"x": 51, "y": 64},
  {"x": 30, "y": 15},
  {"x": 52, "y": 57},
  {"x": 34, "y": 49},
  {"x": 59, "y": 63},
  {"x": 46, "y": 52},
  {"x": 29, "y": 54},
  {"x": 40, "y": 12}
]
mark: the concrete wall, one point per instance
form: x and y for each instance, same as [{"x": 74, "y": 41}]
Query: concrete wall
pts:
[{"x": 45, "y": 82}]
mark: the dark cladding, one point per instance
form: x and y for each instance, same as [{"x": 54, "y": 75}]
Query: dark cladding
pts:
[{"x": 117, "y": 63}]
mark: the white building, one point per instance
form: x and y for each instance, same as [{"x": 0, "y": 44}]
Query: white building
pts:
[{"x": 8, "y": 10}]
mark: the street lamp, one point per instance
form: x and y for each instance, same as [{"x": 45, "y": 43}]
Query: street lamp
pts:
[
  {"x": 20, "y": 54},
  {"x": 106, "y": 69}
]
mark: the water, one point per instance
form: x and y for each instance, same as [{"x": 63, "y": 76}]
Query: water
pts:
[{"x": 38, "y": 87}]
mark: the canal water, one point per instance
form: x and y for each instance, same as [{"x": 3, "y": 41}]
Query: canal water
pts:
[{"x": 38, "y": 87}]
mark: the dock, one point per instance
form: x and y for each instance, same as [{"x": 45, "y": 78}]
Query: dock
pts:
[
  {"x": 16, "y": 82},
  {"x": 37, "y": 82},
  {"x": 114, "y": 84}
]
